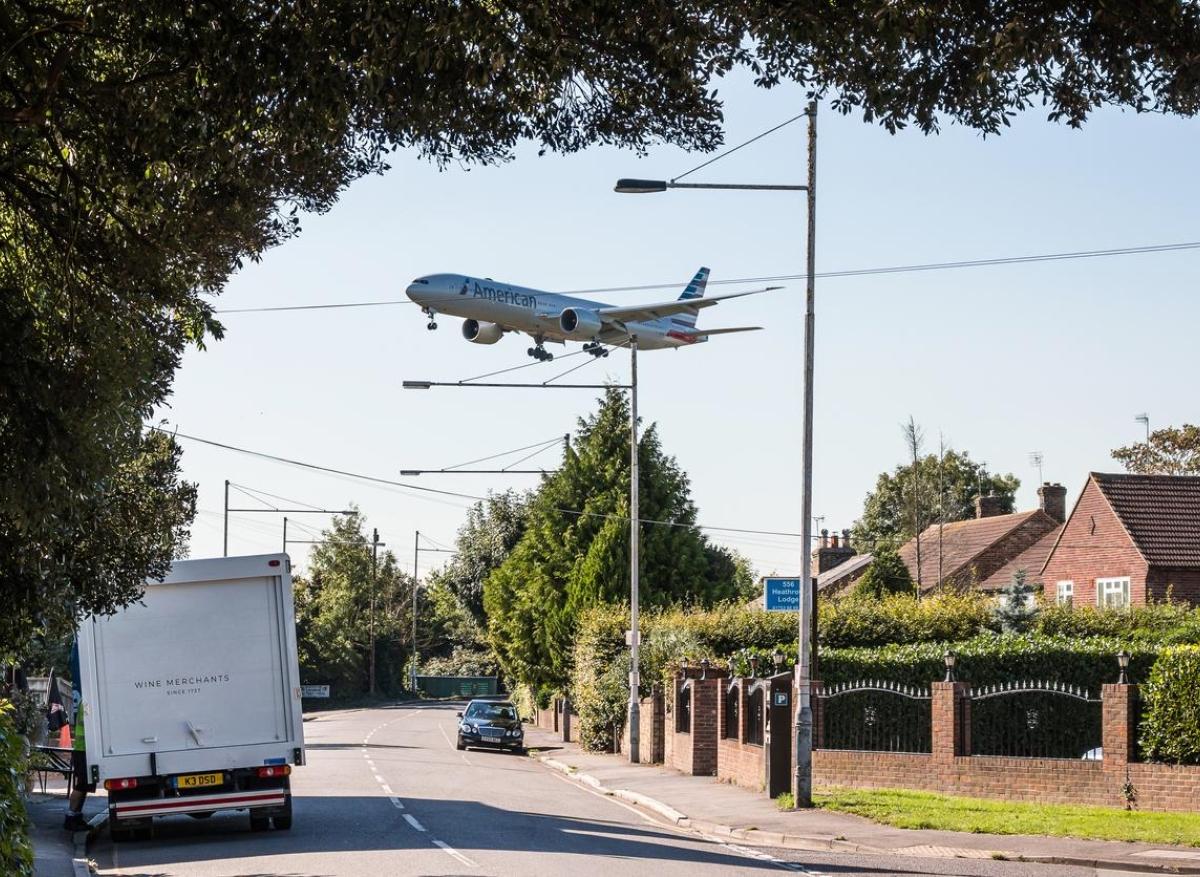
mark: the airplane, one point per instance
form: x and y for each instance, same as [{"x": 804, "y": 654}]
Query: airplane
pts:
[{"x": 490, "y": 309}]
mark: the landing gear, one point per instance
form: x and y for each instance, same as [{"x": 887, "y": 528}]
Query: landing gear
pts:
[
  {"x": 595, "y": 348},
  {"x": 432, "y": 321},
  {"x": 431, "y": 326},
  {"x": 540, "y": 353}
]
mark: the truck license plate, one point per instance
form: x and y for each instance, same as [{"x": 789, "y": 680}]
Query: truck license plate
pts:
[{"x": 199, "y": 780}]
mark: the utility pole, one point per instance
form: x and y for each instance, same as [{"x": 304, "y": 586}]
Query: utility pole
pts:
[
  {"x": 285, "y": 534},
  {"x": 412, "y": 676},
  {"x": 225, "y": 543},
  {"x": 802, "y": 780},
  {"x": 375, "y": 543},
  {"x": 634, "y": 633}
]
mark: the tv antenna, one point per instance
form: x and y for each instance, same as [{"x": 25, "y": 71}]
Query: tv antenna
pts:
[{"x": 1035, "y": 459}]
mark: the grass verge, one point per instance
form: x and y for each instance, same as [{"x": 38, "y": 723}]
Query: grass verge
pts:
[{"x": 904, "y": 808}]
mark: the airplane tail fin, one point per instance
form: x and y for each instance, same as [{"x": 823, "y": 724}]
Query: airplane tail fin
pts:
[{"x": 695, "y": 289}]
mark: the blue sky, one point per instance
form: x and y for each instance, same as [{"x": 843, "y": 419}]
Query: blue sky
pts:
[{"x": 1051, "y": 357}]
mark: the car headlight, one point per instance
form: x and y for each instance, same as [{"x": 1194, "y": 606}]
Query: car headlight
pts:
[{"x": 468, "y": 727}]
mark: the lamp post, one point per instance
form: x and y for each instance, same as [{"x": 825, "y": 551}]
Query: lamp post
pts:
[
  {"x": 1123, "y": 663},
  {"x": 635, "y": 717},
  {"x": 802, "y": 776}
]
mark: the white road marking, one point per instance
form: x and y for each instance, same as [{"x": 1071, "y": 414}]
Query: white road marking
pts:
[
  {"x": 450, "y": 851},
  {"x": 749, "y": 852},
  {"x": 378, "y": 779},
  {"x": 399, "y": 804},
  {"x": 387, "y": 790},
  {"x": 412, "y": 820}
]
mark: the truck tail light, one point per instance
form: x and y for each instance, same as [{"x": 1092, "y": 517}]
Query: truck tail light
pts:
[
  {"x": 275, "y": 770},
  {"x": 118, "y": 785}
]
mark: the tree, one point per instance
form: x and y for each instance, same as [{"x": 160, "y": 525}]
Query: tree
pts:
[
  {"x": 574, "y": 553},
  {"x": 886, "y": 517},
  {"x": 886, "y": 574},
  {"x": 1174, "y": 450},
  {"x": 94, "y": 554},
  {"x": 152, "y": 148},
  {"x": 493, "y": 527},
  {"x": 1017, "y": 606},
  {"x": 333, "y": 612}
]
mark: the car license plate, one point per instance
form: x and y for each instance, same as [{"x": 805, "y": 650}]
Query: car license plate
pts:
[
  {"x": 199, "y": 780},
  {"x": 492, "y": 732}
]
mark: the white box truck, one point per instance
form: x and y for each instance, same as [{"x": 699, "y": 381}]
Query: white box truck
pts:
[{"x": 191, "y": 697}]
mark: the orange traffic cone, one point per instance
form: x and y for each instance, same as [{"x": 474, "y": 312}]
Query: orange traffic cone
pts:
[{"x": 64, "y": 737}]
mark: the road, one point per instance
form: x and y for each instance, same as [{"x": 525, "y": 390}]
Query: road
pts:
[{"x": 386, "y": 793}]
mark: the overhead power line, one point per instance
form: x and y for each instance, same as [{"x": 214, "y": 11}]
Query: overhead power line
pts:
[
  {"x": 474, "y": 497},
  {"x": 775, "y": 278}
]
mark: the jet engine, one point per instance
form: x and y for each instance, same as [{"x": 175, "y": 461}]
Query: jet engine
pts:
[
  {"x": 580, "y": 325},
  {"x": 481, "y": 333}
]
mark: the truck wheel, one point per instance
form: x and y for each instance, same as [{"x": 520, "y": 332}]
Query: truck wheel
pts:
[
  {"x": 259, "y": 823},
  {"x": 283, "y": 821}
]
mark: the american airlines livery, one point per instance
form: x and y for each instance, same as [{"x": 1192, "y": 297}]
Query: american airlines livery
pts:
[{"x": 489, "y": 309}]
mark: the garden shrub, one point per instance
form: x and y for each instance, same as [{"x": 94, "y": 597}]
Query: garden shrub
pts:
[
  {"x": 16, "y": 851},
  {"x": 1170, "y": 728},
  {"x": 900, "y": 618},
  {"x": 1166, "y": 623},
  {"x": 898, "y": 639}
]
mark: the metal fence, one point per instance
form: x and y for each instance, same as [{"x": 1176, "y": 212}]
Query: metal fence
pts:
[
  {"x": 1034, "y": 720},
  {"x": 875, "y": 716}
]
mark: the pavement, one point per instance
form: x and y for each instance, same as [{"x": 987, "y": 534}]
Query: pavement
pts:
[
  {"x": 725, "y": 810},
  {"x": 59, "y": 853}
]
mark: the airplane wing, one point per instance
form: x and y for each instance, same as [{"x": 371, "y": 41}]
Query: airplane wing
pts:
[
  {"x": 636, "y": 313},
  {"x": 728, "y": 331}
]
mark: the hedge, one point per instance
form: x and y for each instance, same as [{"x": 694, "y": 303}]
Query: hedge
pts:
[
  {"x": 1170, "y": 727},
  {"x": 1162, "y": 623},
  {"x": 729, "y": 635},
  {"x": 16, "y": 851}
]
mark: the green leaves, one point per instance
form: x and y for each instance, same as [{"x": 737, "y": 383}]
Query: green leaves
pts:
[
  {"x": 16, "y": 850},
  {"x": 574, "y": 553},
  {"x": 1174, "y": 450},
  {"x": 1170, "y": 727}
]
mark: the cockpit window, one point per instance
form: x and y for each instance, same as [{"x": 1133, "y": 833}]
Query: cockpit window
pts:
[{"x": 422, "y": 280}]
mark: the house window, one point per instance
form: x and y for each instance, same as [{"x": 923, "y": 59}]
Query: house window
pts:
[
  {"x": 1112, "y": 592},
  {"x": 1066, "y": 593}
]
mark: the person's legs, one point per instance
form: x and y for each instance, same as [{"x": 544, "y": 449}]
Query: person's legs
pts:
[{"x": 80, "y": 787}]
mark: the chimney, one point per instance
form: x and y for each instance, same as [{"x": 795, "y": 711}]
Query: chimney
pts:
[
  {"x": 1052, "y": 498},
  {"x": 834, "y": 551},
  {"x": 988, "y": 506}
]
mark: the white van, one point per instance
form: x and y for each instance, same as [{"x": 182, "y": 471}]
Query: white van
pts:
[{"x": 191, "y": 697}]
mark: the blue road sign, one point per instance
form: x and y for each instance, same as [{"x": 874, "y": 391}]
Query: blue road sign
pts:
[{"x": 781, "y": 595}]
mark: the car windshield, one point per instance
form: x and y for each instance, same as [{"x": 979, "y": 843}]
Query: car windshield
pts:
[{"x": 491, "y": 711}]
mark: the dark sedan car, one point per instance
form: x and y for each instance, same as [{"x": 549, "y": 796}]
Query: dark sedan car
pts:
[{"x": 490, "y": 723}]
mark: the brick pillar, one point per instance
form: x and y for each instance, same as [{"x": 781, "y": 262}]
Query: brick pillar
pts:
[
  {"x": 951, "y": 721},
  {"x": 705, "y": 695},
  {"x": 1119, "y": 725}
]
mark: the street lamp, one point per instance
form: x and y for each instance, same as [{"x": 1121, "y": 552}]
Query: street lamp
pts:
[
  {"x": 802, "y": 778},
  {"x": 1123, "y": 663},
  {"x": 950, "y": 659}
]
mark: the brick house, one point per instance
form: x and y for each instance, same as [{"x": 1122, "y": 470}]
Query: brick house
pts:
[
  {"x": 1128, "y": 540},
  {"x": 984, "y": 552}
]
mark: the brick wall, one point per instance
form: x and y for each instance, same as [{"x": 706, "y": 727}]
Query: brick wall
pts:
[
  {"x": 1094, "y": 545},
  {"x": 949, "y": 769},
  {"x": 694, "y": 751},
  {"x": 743, "y": 764},
  {"x": 1182, "y": 584}
]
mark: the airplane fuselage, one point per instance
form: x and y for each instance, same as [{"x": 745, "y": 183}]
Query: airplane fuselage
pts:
[{"x": 538, "y": 313}]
